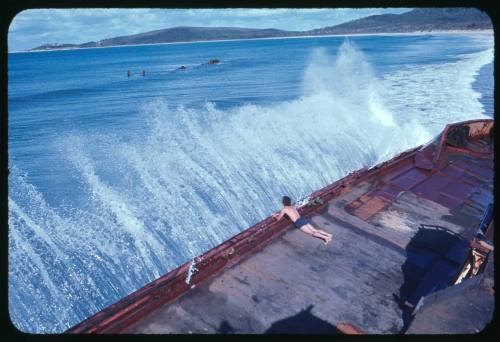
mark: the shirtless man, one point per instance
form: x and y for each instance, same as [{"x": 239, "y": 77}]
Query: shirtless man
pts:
[{"x": 300, "y": 222}]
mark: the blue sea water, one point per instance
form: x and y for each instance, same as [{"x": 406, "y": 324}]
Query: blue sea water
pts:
[{"x": 116, "y": 180}]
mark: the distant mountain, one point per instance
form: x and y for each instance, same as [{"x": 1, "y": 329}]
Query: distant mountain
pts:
[
  {"x": 180, "y": 34},
  {"x": 417, "y": 20},
  {"x": 188, "y": 34}
]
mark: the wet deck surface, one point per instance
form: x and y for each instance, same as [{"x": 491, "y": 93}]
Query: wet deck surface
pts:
[{"x": 298, "y": 285}]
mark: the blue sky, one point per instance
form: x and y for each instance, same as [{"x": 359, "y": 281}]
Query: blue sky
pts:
[{"x": 35, "y": 27}]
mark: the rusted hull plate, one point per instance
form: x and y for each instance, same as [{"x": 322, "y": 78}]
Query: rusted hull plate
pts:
[
  {"x": 411, "y": 178},
  {"x": 450, "y": 180}
]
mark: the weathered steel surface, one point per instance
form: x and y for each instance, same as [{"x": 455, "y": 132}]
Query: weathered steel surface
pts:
[
  {"x": 466, "y": 308},
  {"x": 450, "y": 180},
  {"x": 349, "y": 329},
  {"x": 424, "y": 159},
  {"x": 480, "y": 128},
  {"x": 350, "y": 280},
  {"x": 388, "y": 203},
  {"x": 410, "y": 178},
  {"x": 369, "y": 206}
]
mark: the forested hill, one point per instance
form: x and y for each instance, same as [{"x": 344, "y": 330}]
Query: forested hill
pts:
[{"x": 417, "y": 20}]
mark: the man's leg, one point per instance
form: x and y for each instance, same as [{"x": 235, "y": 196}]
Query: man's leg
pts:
[
  {"x": 325, "y": 236},
  {"x": 308, "y": 229},
  {"x": 328, "y": 235}
]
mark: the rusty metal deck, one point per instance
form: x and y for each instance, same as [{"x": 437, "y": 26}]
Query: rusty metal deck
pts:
[{"x": 273, "y": 278}]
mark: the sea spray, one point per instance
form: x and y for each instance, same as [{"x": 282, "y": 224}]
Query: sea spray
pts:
[
  {"x": 435, "y": 95},
  {"x": 354, "y": 97}
]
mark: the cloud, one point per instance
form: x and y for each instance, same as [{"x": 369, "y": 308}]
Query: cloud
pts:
[{"x": 35, "y": 27}]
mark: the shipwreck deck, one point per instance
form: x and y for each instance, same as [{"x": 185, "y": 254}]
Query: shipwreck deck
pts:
[
  {"x": 296, "y": 284},
  {"x": 401, "y": 231},
  {"x": 299, "y": 285}
]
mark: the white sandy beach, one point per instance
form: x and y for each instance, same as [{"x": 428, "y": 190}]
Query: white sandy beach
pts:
[{"x": 417, "y": 33}]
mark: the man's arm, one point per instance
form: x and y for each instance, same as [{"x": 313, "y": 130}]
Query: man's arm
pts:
[{"x": 279, "y": 215}]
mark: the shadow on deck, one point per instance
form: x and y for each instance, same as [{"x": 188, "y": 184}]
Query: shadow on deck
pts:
[
  {"x": 303, "y": 322},
  {"x": 434, "y": 257}
]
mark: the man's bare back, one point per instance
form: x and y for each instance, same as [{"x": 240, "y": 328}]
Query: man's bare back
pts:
[
  {"x": 291, "y": 211},
  {"x": 300, "y": 222}
]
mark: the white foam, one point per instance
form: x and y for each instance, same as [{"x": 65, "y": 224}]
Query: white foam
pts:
[{"x": 435, "y": 95}]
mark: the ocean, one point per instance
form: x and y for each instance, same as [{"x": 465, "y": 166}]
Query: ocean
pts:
[{"x": 116, "y": 180}]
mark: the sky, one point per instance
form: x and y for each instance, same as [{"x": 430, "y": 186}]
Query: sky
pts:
[{"x": 35, "y": 27}]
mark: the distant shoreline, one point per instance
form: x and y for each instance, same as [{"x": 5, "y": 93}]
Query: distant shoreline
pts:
[{"x": 415, "y": 33}]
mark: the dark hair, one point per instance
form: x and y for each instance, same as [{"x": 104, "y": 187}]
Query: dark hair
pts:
[{"x": 286, "y": 201}]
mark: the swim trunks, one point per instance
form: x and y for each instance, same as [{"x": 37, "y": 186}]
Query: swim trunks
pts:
[{"x": 300, "y": 222}]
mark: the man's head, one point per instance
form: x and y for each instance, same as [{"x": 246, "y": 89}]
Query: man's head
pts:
[{"x": 286, "y": 201}]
